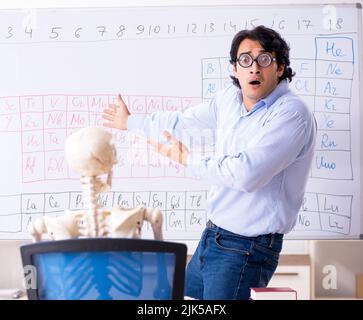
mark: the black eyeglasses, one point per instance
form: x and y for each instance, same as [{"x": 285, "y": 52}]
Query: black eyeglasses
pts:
[{"x": 245, "y": 60}]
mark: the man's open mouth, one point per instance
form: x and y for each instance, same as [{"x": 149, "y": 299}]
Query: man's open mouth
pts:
[{"x": 255, "y": 82}]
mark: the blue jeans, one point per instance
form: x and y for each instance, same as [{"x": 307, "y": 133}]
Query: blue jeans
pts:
[{"x": 226, "y": 265}]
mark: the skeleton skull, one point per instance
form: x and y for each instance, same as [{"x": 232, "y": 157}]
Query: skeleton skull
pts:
[{"x": 90, "y": 151}]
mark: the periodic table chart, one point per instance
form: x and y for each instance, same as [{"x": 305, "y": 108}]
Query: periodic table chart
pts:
[{"x": 61, "y": 67}]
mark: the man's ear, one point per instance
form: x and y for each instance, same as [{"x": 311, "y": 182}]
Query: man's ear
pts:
[
  {"x": 280, "y": 70},
  {"x": 234, "y": 68}
]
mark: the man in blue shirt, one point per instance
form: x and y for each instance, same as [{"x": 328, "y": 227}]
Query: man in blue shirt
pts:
[{"x": 264, "y": 143}]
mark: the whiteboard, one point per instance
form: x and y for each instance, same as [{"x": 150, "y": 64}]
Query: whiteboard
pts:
[{"x": 60, "y": 67}]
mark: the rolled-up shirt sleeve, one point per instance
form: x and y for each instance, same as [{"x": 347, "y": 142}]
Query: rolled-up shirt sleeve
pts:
[{"x": 274, "y": 147}]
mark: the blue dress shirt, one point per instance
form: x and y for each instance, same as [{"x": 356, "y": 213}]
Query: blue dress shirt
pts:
[{"x": 262, "y": 158}]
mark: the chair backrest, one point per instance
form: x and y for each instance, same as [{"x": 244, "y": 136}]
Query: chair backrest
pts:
[{"x": 104, "y": 268}]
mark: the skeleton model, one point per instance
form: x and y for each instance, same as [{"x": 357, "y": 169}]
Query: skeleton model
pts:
[{"x": 91, "y": 153}]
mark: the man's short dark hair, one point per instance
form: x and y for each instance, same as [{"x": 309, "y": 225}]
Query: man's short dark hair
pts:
[{"x": 271, "y": 41}]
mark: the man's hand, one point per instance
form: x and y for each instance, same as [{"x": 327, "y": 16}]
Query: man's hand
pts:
[
  {"x": 116, "y": 115},
  {"x": 176, "y": 151}
]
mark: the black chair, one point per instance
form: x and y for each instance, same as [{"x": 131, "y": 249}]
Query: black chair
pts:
[{"x": 104, "y": 268}]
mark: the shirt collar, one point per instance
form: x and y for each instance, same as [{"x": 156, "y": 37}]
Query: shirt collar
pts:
[
  {"x": 280, "y": 90},
  {"x": 268, "y": 101}
]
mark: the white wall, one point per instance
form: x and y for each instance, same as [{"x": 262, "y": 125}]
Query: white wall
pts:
[
  {"x": 10, "y": 268},
  {"x": 335, "y": 266}
]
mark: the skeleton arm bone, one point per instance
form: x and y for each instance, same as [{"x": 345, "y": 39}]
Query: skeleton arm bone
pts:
[{"x": 155, "y": 218}]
